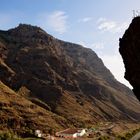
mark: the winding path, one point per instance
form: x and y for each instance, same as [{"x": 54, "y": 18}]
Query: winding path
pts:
[{"x": 136, "y": 137}]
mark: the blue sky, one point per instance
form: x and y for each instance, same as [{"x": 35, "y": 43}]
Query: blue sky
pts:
[{"x": 96, "y": 24}]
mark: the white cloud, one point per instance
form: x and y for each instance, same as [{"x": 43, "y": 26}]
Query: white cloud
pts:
[
  {"x": 115, "y": 64},
  {"x": 101, "y": 20},
  {"x": 97, "y": 46},
  {"x": 121, "y": 27},
  {"x": 55, "y": 21},
  {"x": 85, "y": 19},
  {"x": 107, "y": 25},
  {"x": 111, "y": 26}
]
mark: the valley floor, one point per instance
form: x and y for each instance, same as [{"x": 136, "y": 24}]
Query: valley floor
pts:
[
  {"x": 101, "y": 131},
  {"x": 109, "y": 131}
]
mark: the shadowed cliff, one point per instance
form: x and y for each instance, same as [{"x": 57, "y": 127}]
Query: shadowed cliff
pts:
[{"x": 130, "y": 51}]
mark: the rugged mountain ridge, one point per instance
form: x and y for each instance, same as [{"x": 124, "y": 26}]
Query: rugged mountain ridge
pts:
[
  {"x": 69, "y": 80},
  {"x": 130, "y": 51}
]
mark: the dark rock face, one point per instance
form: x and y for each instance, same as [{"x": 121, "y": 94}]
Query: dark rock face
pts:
[
  {"x": 64, "y": 78},
  {"x": 130, "y": 51}
]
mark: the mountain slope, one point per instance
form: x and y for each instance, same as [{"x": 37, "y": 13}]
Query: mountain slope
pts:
[
  {"x": 23, "y": 116},
  {"x": 69, "y": 79}
]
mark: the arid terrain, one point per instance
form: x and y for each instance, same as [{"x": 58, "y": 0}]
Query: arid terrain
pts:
[{"x": 49, "y": 84}]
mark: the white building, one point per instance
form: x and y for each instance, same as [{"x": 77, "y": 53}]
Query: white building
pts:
[
  {"x": 71, "y": 133},
  {"x": 38, "y": 133}
]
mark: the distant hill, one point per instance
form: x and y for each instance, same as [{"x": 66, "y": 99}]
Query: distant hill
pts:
[{"x": 63, "y": 84}]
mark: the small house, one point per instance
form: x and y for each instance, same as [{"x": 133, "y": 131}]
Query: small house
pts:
[
  {"x": 71, "y": 133},
  {"x": 38, "y": 133}
]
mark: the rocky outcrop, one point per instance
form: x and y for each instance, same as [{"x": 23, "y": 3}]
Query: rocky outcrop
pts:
[
  {"x": 130, "y": 51},
  {"x": 63, "y": 78}
]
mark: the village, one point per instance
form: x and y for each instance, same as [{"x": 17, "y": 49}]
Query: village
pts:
[
  {"x": 102, "y": 130},
  {"x": 78, "y": 133}
]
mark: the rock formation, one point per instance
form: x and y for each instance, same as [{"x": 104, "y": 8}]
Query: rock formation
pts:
[{"x": 130, "y": 51}]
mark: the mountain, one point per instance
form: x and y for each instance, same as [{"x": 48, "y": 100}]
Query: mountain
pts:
[
  {"x": 130, "y": 51},
  {"x": 64, "y": 80}
]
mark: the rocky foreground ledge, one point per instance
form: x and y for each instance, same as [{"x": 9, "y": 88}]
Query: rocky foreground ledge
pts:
[{"x": 130, "y": 51}]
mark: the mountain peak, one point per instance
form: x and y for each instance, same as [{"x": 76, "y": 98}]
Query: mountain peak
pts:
[
  {"x": 22, "y": 26},
  {"x": 26, "y": 30}
]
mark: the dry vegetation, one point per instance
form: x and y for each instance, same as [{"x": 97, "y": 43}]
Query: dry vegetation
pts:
[{"x": 19, "y": 114}]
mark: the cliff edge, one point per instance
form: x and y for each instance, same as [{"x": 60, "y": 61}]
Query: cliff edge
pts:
[{"x": 130, "y": 51}]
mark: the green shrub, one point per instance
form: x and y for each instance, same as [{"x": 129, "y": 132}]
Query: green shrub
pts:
[
  {"x": 11, "y": 136},
  {"x": 8, "y": 136},
  {"x": 129, "y": 135},
  {"x": 104, "y": 138},
  {"x": 121, "y": 138}
]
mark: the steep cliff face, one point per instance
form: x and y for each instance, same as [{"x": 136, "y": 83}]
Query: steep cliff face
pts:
[
  {"x": 63, "y": 78},
  {"x": 130, "y": 51}
]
